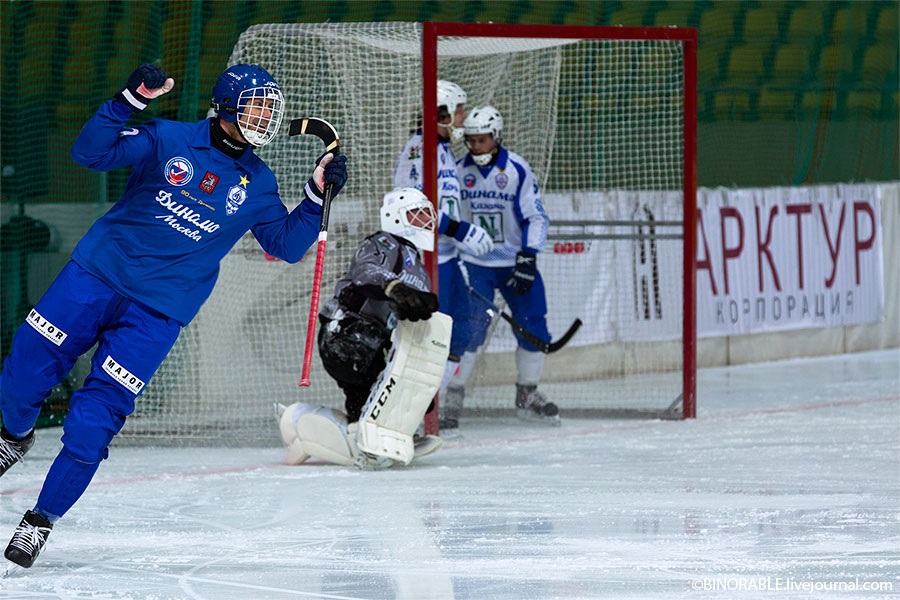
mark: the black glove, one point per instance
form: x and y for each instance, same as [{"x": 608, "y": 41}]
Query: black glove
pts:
[
  {"x": 334, "y": 172},
  {"x": 524, "y": 272},
  {"x": 146, "y": 83},
  {"x": 410, "y": 304}
]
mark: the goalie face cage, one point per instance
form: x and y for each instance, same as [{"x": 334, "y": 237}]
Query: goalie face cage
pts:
[{"x": 605, "y": 116}]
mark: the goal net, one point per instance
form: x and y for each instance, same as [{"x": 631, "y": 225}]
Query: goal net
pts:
[{"x": 601, "y": 120}]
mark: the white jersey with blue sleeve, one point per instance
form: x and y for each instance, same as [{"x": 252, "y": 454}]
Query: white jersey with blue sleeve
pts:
[
  {"x": 408, "y": 173},
  {"x": 504, "y": 199}
]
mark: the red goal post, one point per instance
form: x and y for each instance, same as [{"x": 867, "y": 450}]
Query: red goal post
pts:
[{"x": 687, "y": 37}]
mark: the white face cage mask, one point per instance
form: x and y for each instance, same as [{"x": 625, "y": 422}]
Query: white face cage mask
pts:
[
  {"x": 406, "y": 212},
  {"x": 259, "y": 112}
]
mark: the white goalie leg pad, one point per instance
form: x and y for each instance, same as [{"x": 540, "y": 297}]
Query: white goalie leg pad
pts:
[
  {"x": 323, "y": 432},
  {"x": 405, "y": 388},
  {"x": 294, "y": 454}
]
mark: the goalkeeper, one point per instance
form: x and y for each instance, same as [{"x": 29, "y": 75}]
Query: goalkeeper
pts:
[
  {"x": 144, "y": 268},
  {"x": 384, "y": 289}
]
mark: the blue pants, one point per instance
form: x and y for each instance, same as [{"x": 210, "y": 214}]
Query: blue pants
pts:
[
  {"x": 77, "y": 311},
  {"x": 453, "y": 298},
  {"x": 528, "y": 310}
]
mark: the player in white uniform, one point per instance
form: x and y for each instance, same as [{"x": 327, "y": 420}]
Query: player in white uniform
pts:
[
  {"x": 501, "y": 191},
  {"x": 455, "y": 233}
]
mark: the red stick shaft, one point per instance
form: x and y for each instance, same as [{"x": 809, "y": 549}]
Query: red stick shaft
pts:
[{"x": 313, "y": 310}]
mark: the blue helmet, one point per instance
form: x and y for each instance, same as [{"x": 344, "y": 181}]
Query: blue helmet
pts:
[{"x": 249, "y": 96}]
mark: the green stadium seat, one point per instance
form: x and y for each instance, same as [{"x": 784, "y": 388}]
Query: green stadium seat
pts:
[
  {"x": 813, "y": 103},
  {"x": 807, "y": 25},
  {"x": 71, "y": 114},
  {"x": 273, "y": 12},
  {"x": 47, "y": 13},
  {"x": 118, "y": 68},
  {"x": 679, "y": 17},
  {"x": 36, "y": 70},
  {"x": 878, "y": 64},
  {"x": 211, "y": 66},
  {"x": 849, "y": 22},
  {"x": 228, "y": 10},
  {"x": 776, "y": 104},
  {"x": 791, "y": 66},
  {"x": 731, "y": 106},
  {"x": 836, "y": 64},
  {"x": 77, "y": 84},
  {"x": 717, "y": 25},
  {"x": 83, "y": 52},
  {"x": 761, "y": 25},
  {"x": 864, "y": 104},
  {"x": 887, "y": 27},
  {"x": 703, "y": 106},
  {"x": 630, "y": 15},
  {"x": 219, "y": 34},
  {"x": 745, "y": 66},
  {"x": 707, "y": 67}
]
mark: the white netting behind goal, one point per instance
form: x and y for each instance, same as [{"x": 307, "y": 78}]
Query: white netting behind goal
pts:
[{"x": 600, "y": 122}]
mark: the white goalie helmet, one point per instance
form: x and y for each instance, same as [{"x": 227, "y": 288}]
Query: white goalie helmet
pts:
[
  {"x": 484, "y": 119},
  {"x": 408, "y": 213},
  {"x": 451, "y": 95}
]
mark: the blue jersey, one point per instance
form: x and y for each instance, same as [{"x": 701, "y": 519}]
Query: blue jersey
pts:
[{"x": 185, "y": 206}]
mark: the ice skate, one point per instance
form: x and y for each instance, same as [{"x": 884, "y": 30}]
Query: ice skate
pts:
[
  {"x": 11, "y": 450},
  {"x": 370, "y": 462},
  {"x": 28, "y": 540},
  {"x": 426, "y": 444},
  {"x": 532, "y": 405},
  {"x": 451, "y": 407}
]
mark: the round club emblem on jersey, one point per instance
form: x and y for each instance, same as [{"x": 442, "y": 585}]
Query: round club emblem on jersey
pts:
[
  {"x": 501, "y": 179},
  {"x": 234, "y": 199},
  {"x": 469, "y": 180},
  {"x": 179, "y": 171}
]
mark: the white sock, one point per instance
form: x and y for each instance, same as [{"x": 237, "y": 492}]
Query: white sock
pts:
[
  {"x": 529, "y": 366},
  {"x": 466, "y": 364}
]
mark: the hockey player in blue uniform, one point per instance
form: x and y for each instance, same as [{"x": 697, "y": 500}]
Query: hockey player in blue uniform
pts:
[
  {"x": 501, "y": 191},
  {"x": 144, "y": 268},
  {"x": 454, "y": 233}
]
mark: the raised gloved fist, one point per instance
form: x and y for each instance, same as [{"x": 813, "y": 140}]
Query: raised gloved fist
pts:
[
  {"x": 408, "y": 303},
  {"x": 523, "y": 274},
  {"x": 328, "y": 170},
  {"x": 475, "y": 240},
  {"x": 146, "y": 83}
]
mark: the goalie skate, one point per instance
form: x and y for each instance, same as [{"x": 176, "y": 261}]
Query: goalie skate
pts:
[{"x": 532, "y": 405}]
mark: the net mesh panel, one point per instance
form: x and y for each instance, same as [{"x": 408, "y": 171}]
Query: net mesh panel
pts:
[{"x": 598, "y": 120}]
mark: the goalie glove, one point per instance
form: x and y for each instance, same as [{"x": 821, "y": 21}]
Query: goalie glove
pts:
[
  {"x": 146, "y": 83},
  {"x": 473, "y": 239},
  {"x": 524, "y": 272},
  {"x": 328, "y": 170},
  {"x": 408, "y": 303}
]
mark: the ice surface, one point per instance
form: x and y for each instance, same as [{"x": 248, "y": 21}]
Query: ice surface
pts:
[{"x": 791, "y": 472}]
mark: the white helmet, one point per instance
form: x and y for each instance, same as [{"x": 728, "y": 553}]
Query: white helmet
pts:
[
  {"x": 407, "y": 212},
  {"x": 484, "y": 119},
  {"x": 450, "y": 95}
]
